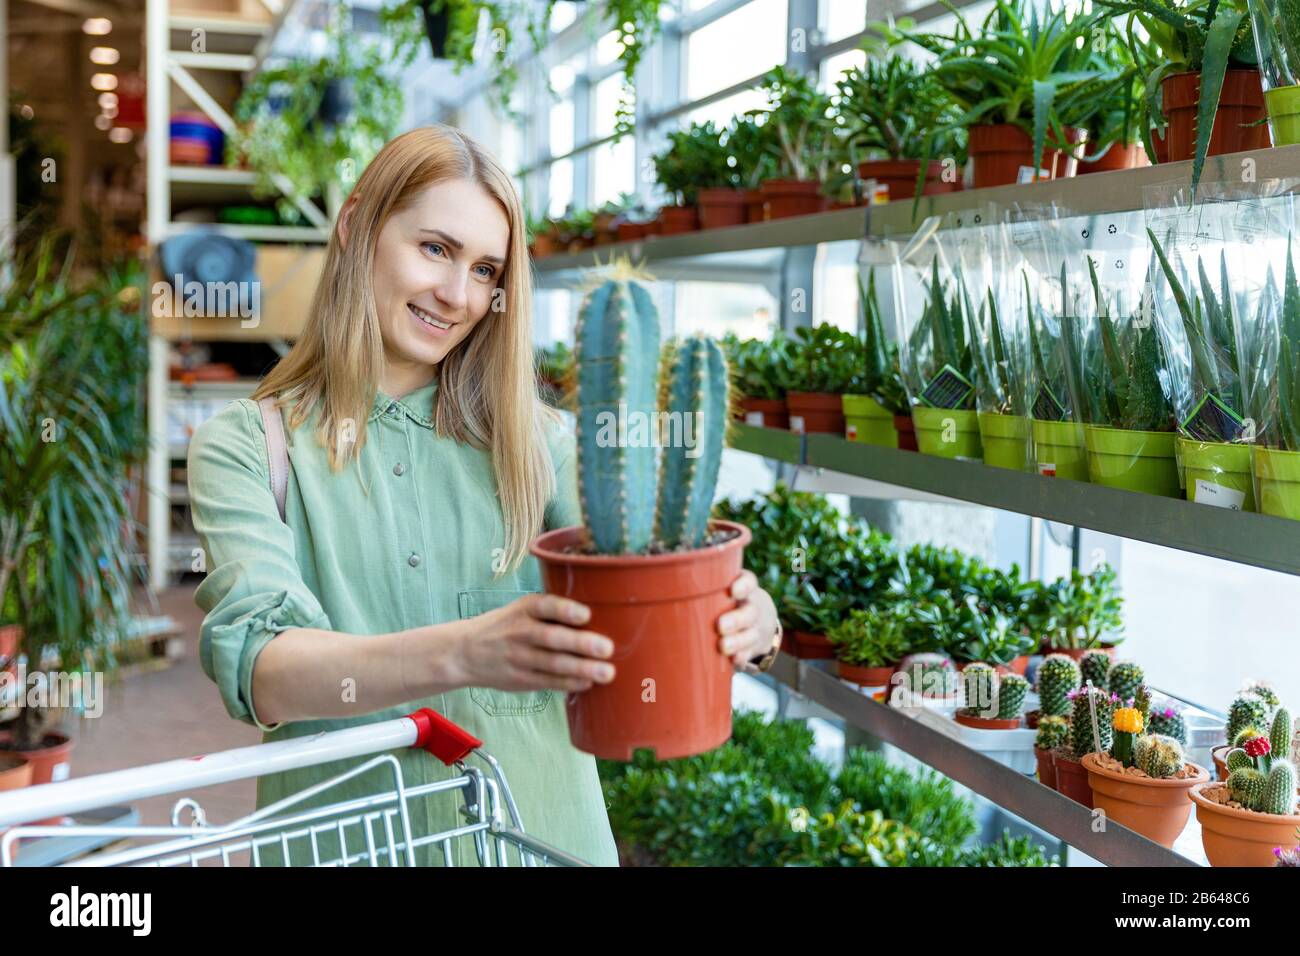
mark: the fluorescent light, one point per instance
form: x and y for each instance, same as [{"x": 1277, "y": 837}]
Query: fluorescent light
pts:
[
  {"x": 104, "y": 55},
  {"x": 97, "y": 26},
  {"x": 103, "y": 122},
  {"x": 107, "y": 101},
  {"x": 104, "y": 81},
  {"x": 120, "y": 134}
]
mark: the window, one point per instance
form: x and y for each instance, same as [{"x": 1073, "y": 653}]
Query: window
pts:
[
  {"x": 561, "y": 127},
  {"x": 836, "y": 288},
  {"x": 613, "y": 170},
  {"x": 715, "y": 308},
  {"x": 842, "y": 19},
  {"x": 561, "y": 189},
  {"x": 604, "y": 102},
  {"x": 723, "y": 110},
  {"x": 833, "y": 67},
  {"x": 715, "y": 59}
]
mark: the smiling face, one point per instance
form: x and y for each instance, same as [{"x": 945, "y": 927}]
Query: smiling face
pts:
[{"x": 437, "y": 264}]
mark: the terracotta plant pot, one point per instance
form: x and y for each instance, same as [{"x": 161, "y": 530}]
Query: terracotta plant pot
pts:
[
  {"x": 15, "y": 770},
  {"x": 765, "y": 412},
  {"x": 808, "y": 646},
  {"x": 1072, "y": 780},
  {"x": 1078, "y": 652},
  {"x": 1119, "y": 156},
  {"x": 1046, "y": 767},
  {"x": 987, "y": 723},
  {"x": 1157, "y": 809},
  {"x": 1217, "y": 755},
  {"x": 545, "y": 245},
  {"x": 1236, "y": 837},
  {"x": 675, "y": 220},
  {"x": 49, "y": 763},
  {"x": 792, "y": 197},
  {"x": 899, "y": 175},
  {"x": 999, "y": 151},
  {"x": 1019, "y": 665},
  {"x": 815, "y": 412},
  {"x": 755, "y": 205},
  {"x": 865, "y": 676},
  {"x": 722, "y": 207},
  {"x": 1241, "y": 104},
  {"x": 906, "y": 429},
  {"x": 661, "y": 612},
  {"x": 631, "y": 231}
]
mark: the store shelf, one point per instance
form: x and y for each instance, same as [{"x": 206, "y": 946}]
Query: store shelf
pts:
[
  {"x": 1083, "y": 195},
  {"x": 221, "y": 34},
  {"x": 1024, "y": 796},
  {"x": 1258, "y": 540},
  {"x": 210, "y": 184}
]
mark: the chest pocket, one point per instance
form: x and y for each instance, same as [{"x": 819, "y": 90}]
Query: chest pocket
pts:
[{"x": 500, "y": 703}]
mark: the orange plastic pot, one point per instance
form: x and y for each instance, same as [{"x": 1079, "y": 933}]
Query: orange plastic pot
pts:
[
  {"x": 1220, "y": 767},
  {"x": 900, "y": 175},
  {"x": 755, "y": 205},
  {"x": 906, "y": 429},
  {"x": 765, "y": 412},
  {"x": 1235, "y": 837},
  {"x": 808, "y": 646},
  {"x": 865, "y": 676},
  {"x": 674, "y": 220},
  {"x": 49, "y": 763},
  {"x": 815, "y": 412},
  {"x": 999, "y": 151},
  {"x": 1241, "y": 105},
  {"x": 671, "y": 691},
  {"x": 1072, "y": 780},
  {"x": 1157, "y": 809},
  {"x": 721, "y": 207},
  {"x": 1046, "y": 767},
  {"x": 1118, "y": 157},
  {"x": 792, "y": 197},
  {"x": 986, "y": 723}
]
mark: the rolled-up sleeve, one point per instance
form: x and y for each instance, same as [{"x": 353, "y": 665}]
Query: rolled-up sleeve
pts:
[{"x": 254, "y": 589}]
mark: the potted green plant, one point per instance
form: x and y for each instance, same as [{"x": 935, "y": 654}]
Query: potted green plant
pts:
[
  {"x": 1080, "y": 614},
  {"x": 722, "y": 202},
  {"x": 1143, "y": 780},
  {"x": 826, "y": 362},
  {"x": 1091, "y": 709},
  {"x": 928, "y": 679},
  {"x": 1277, "y": 456},
  {"x": 871, "y": 412},
  {"x": 999, "y": 356},
  {"x": 992, "y": 701},
  {"x": 1245, "y": 818},
  {"x": 1053, "y": 732},
  {"x": 1019, "y": 83},
  {"x": 646, "y": 559},
  {"x": 693, "y": 159},
  {"x": 800, "y": 134},
  {"x": 869, "y": 644},
  {"x": 894, "y": 112},
  {"x": 987, "y": 635},
  {"x": 1115, "y": 118},
  {"x": 759, "y": 371},
  {"x": 1205, "y": 88},
  {"x": 1250, "y": 714},
  {"x": 555, "y": 371},
  {"x": 1277, "y": 40},
  {"x": 1055, "y": 366},
  {"x": 753, "y": 155},
  {"x": 1057, "y": 676}
]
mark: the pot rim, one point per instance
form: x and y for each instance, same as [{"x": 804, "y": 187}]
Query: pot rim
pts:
[
  {"x": 1283, "y": 819},
  {"x": 987, "y": 723},
  {"x": 63, "y": 740},
  {"x": 1089, "y": 761},
  {"x": 538, "y": 548}
]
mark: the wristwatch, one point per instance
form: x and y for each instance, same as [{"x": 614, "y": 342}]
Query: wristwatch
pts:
[{"x": 765, "y": 662}]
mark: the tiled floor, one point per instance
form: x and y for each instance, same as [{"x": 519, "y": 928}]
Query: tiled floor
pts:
[{"x": 155, "y": 715}]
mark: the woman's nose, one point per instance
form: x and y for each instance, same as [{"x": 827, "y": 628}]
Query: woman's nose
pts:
[{"x": 452, "y": 291}]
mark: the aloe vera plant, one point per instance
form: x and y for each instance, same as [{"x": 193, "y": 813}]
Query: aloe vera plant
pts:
[
  {"x": 1286, "y": 433},
  {"x": 940, "y": 362},
  {"x": 1052, "y": 358},
  {"x": 1277, "y": 35},
  {"x": 882, "y": 377}
]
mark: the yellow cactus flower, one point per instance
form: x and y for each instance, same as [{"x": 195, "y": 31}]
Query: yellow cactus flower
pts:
[{"x": 1127, "y": 720}]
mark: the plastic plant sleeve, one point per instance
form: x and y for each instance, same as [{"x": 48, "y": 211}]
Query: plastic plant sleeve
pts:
[
  {"x": 882, "y": 380},
  {"x": 1276, "y": 26}
]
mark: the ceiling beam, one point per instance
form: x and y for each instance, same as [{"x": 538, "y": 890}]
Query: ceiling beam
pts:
[{"x": 80, "y": 8}]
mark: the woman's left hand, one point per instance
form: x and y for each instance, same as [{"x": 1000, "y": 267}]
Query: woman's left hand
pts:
[{"x": 749, "y": 630}]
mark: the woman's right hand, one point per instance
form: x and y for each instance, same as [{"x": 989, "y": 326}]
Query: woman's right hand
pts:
[{"x": 534, "y": 643}]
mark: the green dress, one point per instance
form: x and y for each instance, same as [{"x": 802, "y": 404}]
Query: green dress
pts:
[{"x": 405, "y": 535}]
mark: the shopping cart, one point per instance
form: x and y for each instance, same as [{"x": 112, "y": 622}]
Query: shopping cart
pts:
[{"x": 374, "y": 830}]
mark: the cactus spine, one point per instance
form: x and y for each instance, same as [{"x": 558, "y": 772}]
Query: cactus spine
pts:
[
  {"x": 1279, "y": 790},
  {"x": 1081, "y": 740},
  {"x": 1057, "y": 676},
  {"x": 1094, "y": 666},
  {"x": 1279, "y": 737},
  {"x": 1011, "y": 696},
  {"x": 1160, "y": 756},
  {"x": 1124, "y": 679},
  {"x": 1236, "y": 759},
  {"x": 696, "y": 402},
  {"x": 1247, "y": 786},
  {"x": 1169, "y": 722},
  {"x": 980, "y": 683}
]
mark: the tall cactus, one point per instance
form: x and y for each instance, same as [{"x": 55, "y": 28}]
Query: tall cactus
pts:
[
  {"x": 1081, "y": 739},
  {"x": 695, "y": 392},
  {"x": 617, "y": 372},
  {"x": 1279, "y": 789},
  {"x": 1057, "y": 676},
  {"x": 1011, "y": 696},
  {"x": 1279, "y": 737}
]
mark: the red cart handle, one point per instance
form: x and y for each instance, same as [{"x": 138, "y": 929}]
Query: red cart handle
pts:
[{"x": 440, "y": 737}]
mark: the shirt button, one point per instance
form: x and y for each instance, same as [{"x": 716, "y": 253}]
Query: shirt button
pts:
[
  {"x": 392, "y": 409},
  {"x": 398, "y": 469},
  {"x": 413, "y": 560}
]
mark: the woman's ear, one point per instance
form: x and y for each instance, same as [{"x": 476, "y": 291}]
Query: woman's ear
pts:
[{"x": 345, "y": 218}]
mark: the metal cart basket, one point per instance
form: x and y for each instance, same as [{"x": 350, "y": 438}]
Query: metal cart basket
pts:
[{"x": 368, "y": 831}]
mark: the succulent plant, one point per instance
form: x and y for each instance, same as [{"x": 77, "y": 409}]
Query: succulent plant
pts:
[
  {"x": 1081, "y": 736},
  {"x": 1142, "y": 702},
  {"x": 1246, "y": 733},
  {"x": 1123, "y": 680},
  {"x": 1279, "y": 737},
  {"x": 1159, "y": 756},
  {"x": 1238, "y": 758},
  {"x": 1168, "y": 721},
  {"x": 1264, "y": 689},
  {"x": 1011, "y": 696},
  {"x": 1248, "y": 709},
  {"x": 980, "y": 683},
  {"x": 1279, "y": 790},
  {"x": 1057, "y": 676},
  {"x": 930, "y": 675},
  {"x": 1247, "y": 786},
  {"x": 1053, "y": 732},
  {"x": 627, "y": 506},
  {"x": 1126, "y": 726},
  {"x": 1094, "y": 666}
]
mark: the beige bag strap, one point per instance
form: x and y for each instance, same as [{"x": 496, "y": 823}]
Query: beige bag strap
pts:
[{"x": 277, "y": 451}]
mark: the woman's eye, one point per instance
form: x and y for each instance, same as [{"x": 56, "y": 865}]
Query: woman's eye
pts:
[
  {"x": 488, "y": 272},
  {"x": 433, "y": 248}
]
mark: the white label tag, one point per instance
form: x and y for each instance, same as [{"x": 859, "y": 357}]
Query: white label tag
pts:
[
  {"x": 1047, "y": 468},
  {"x": 1026, "y": 174},
  {"x": 978, "y": 461},
  {"x": 754, "y": 418},
  {"x": 796, "y": 423},
  {"x": 61, "y": 771},
  {"x": 851, "y": 432},
  {"x": 1208, "y": 493}
]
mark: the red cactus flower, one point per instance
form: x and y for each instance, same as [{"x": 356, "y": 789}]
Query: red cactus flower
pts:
[{"x": 1256, "y": 746}]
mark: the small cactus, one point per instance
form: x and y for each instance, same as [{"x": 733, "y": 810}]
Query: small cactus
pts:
[
  {"x": 1246, "y": 733},
  {"x": 1169, "y": 722},
  {"x": 1057, "y": 676},
  {"x": 1248, "y": 709},
  {"x": 1094, "y": 666},
  {"x": 1279, "y": 736},
  {"x": 1127, "y": 725},
  {"x": 1160, "y": 756},
  {"x": 1081, "y": 738},
  {"x": 1142, "y": 701},
  {"x": 1236, "y": 759},
  {"x": 1279, "y": 790},
  {"x": 1123, "y": 680},
  {"x": 1247, "y": 786},
  {"x": 1264, "y": 690},
  {"x": 1011, "y": 696},
  {"x": 980, "y": 685},
  {"x": 1052, "y": 732}
]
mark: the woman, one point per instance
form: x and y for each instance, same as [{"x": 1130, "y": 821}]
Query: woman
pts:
[{"x": 423, "y": 464}]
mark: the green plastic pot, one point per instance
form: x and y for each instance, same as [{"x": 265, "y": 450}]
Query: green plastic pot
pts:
[
  {"x": 948, "y": 433},
  {"x": 1005, "y": 439},
  {"x": 1218, "y": 473},
  {"x": 1284, "y": 114},
  {"x": 1279, "y": 482},
  {"x": 1133, "y": 460},
  {"x": 1059, "y": 450},
  {"x": 867, "y": 421}
]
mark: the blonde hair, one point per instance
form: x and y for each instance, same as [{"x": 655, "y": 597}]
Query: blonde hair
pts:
[{"x": 487, "y": 390}]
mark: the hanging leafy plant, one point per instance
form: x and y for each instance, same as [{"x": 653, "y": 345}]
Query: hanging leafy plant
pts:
[{"x": 637, "y": 24}]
